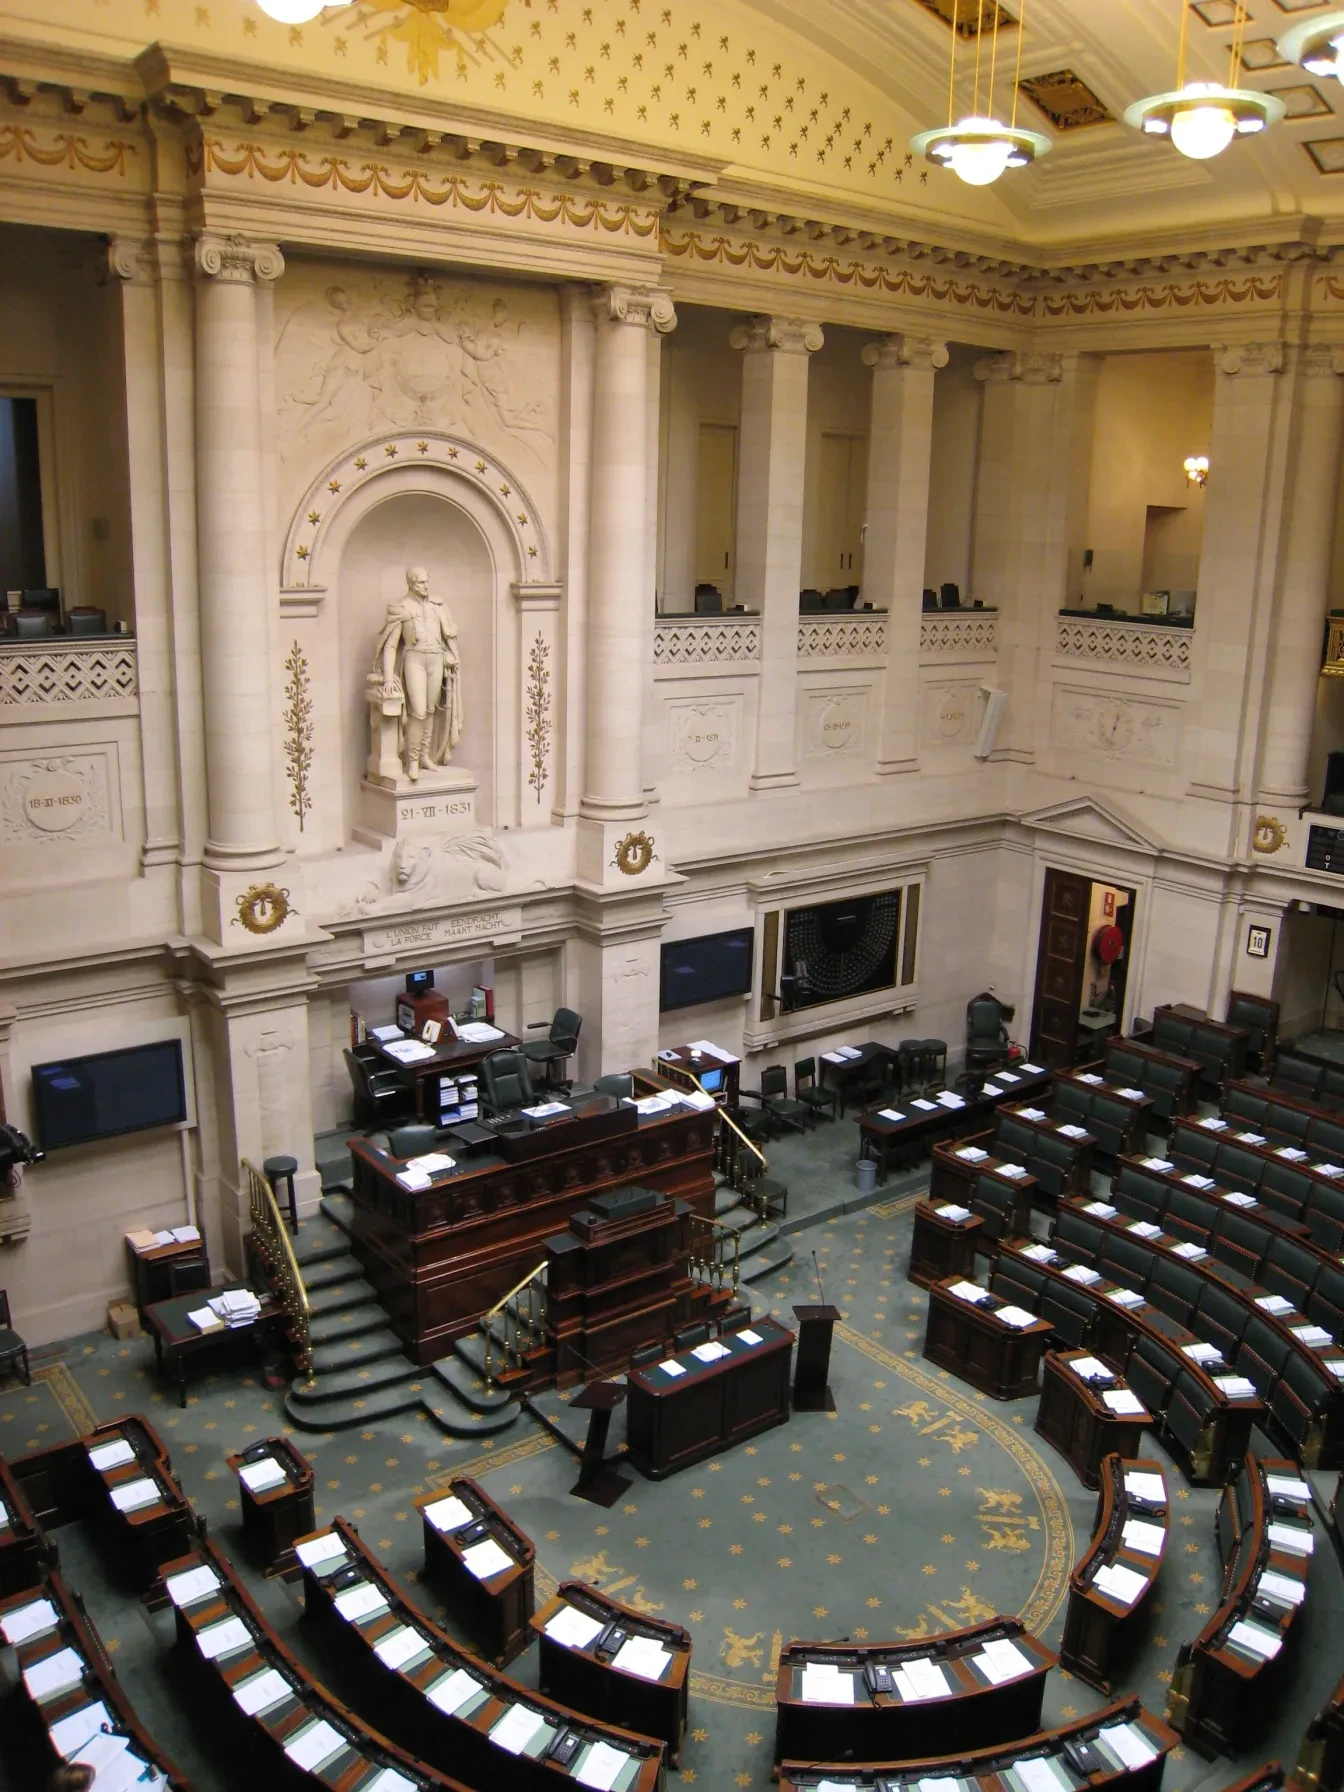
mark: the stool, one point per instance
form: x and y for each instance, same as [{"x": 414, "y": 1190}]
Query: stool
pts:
[
  {"x": 935, "y": 1060},
  {"x": 282, "y": 1169}
]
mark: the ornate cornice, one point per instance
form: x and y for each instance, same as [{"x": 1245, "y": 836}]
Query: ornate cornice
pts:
[
  {"x": 642, "y": 306},
  {"x": 923, "y": 354},
  {"x": 237, "y": 260},
  {"x": 785, "y": 335},
  {"x": 1249, "y": 359},
  {"x": 1029, "y": 370},
  {"x": 1321, "y": 360}
]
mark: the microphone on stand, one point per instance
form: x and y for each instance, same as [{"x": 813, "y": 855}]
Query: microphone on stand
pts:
[{"x": 817, "y": 1270}]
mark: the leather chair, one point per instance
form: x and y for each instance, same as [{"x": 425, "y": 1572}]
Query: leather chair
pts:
[
  {"x": 778, "y": 1104},
  {"x": 186, "y": 1278},
  {"x": 807, "y": 1090},
  {"x": 1019, "y": 1282},
  {"x": 1260, "y": 1016},
  {"x": 691, "y": 1335},
  {"x": 13, "y": 1350},
  {"x": 986, "y": 1032},
  {"x": 561, "y": 1042},
  {"x": 708, "y": 600},
  {"x": 646, "y": 1354},
  {"x": 620, "y": 1083},
  {"x": 505, "y": 1083},
  {"x": 381, "y": 1096},
  {"x": 412, "y": 1141}
]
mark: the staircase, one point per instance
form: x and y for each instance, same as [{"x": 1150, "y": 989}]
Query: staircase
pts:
[{"x": 746, "y": 1197}]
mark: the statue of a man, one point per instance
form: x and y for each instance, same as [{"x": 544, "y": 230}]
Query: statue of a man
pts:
[{"x": 416, "y": 659}]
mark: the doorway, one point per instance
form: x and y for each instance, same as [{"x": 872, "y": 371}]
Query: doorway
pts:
[{"x": 1082, "y": 967}]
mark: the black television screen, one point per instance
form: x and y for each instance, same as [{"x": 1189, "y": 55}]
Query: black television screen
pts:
[
  {"x": 707, "y": 969},
  {"x": 98, "y": 1097}
]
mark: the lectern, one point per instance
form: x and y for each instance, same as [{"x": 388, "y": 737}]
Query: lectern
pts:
[
  {"x": 810, "y": 1392},
  {"x": 598, "y": 1481}
]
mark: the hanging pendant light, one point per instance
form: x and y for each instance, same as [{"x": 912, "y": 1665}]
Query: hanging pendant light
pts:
[
  {"x": 979, "y": 147},
  {"x": 1201, "y": 117},
  {"x": 295, "y": 12},
  {"x": 1318, "y": 44}
]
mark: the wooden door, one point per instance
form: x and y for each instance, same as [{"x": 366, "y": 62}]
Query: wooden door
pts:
[
  {"x": 842, "y": 500},
  {"x": 716, "y": 507},
  {"x": 1060, "y": 960}
]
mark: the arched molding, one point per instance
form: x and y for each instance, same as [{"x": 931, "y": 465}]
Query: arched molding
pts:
[{"x": 359, "y": 479}]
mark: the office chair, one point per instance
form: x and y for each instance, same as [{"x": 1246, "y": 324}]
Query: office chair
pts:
[
  {"x": 691, "y": 1335},
  {"x": 413, "y": 1140},
  {"x": 986, "y": 1033},
  {"x": 380, "y": 1095},
  {"x": 13, "y": 1350},
  {"x": 505, "y": 1084},
  {"x": 646, "y": 1354},
  {"x": 778, "y": 1104},
  {"x": 561, "y": 1042},
  {"x": 807, "y": 1090},
  {"x": 620, "y": 1083}
]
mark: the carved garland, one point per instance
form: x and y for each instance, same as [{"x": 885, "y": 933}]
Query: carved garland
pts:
[
  {"x": 1171, "y": 297},
  {"x": 538, "y": 716},
  {"x": 20, "y": 143},
  {"x": 298, "y": 719}
]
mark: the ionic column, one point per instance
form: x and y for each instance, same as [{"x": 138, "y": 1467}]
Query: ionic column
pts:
[
  {"x": 772, "y": 451},
  {"x": 1304, "y": 576},
  {"x": 232, "y": 536},
  {"x": 620, "y": 588},
  {"x": 899, "y": 444}
]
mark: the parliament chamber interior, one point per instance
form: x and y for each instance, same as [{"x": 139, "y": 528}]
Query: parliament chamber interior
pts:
[{"x": 671, "y": 987}]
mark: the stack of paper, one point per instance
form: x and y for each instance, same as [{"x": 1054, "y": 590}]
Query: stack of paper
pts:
[
  {"x": 236, "y": 1307},
  {"x": 408, "y": 1051},
  {"x": 1041, "y": 1253},
  {"x": 642, "y": 1655},
  {"x": 400, "y": 1646},
  {"x": 223, "y": 1638},
  {"x": 73, "y": 1732},
  {"x": 1129, "y": 1744},
  {"x": 4, "y": 1516},
  {"x": 448, "y": 1515},
  {"x": 573, "y": 1628},
  {"x": 822, "y": 1684},
  {"x": 516, "y": 1728},
  {"x": 1314, "y": 1335},
  {"x": 260, "y": 1691},
  {"x": 649, "y": 1106},
  {"x": 1119, "y": 1583},
  {"x": 672, "y": 1367},
  {"x": 1191, "y": 1252},
  {"x": 29, "y": 1620},
  {"x": 1007, "y": 1076},
  {"x": 1070, "y": 1131},
  {"x": 602, "y": 1767},
  {"x": 1091, "y": 1369},
  {"x": 1015, "y": 1171},
  {"x": 1133, "y": 1094},
  {"x": 1236, "y": 1387},
  {"x": 950, "y": 1099},
  {"x": 950, "y": 1211},
  {"x": 1288, "y": 1487},
  {"x": 701, "y": 1103},
  {"x": 1146, "y": 1539},
  {"x": 1274, "y": 1304},
  {"x": 258, "y": 1477},
  {"x": 478, "y": 1032},
  {"x": 1140, "y": 1484},
  {"x": 1032, "y": 1113},
  {"x": 1251, "y": 1138},
  {"x": 314, "y": 1745},
  {"x": 433, "y": 1163},
  {"x": 360, "y": 1601},
  {"x": 414, "y": 1180},
  {"x": 1017, "y": 1317},
  {"x": 1124, "y": 1297},
  {"x": 385, "y": 1034},
  {"x": 195, "y": 1584},
  {"x": 1213, "y": 1123},
  {"x": 1102, "y": 1209},
  {"x": 1031, "y": 1069},
  {"x": 53, "y": 1674},
  {"x": 1255, "y": 1639},
  {"x": 1202, "y": 1353},
  {"x": 114, "y": 1455},
  {"x": 317, "y": 1552},
  {"x": 1198, "y": 1181},
  {"x": 547, "y": 1110},
  {"x": 205, "y": 1320},
  {"x": 1330, "y": 1169},
  {"x": 131, "y": 1496},
  {"x": 389, "y": 1780},
  {"x": 969, "y": 1291},
  {"x": 451, "y": 1693},
  {"x": 710, "y": 1351},
  {"x": 921, "y": 1679},
  {"x": 1294, "y": 1153},
  {"x": 1291, "y": 1537},
  {"x": 1089, "y": 1076},
  {"x": 1281, "y": 1588},
  {"x": 746, "y": 1336},
  {"x": 891, "y": 1114},
  {"x": 1158, "y": 1163},
  {"x": 927, "y": 1107},
  {"x": 486, "y": 1558},
  {"x": 1237, "y": 1199},
  {"x": 1001, "y": 1660},
  {"x": 1082, "y": 1274},
  {"x": 1121, "y": 1402},
  {"x": 972, "y": 1154},
  {"x": 1145, "y": 1229},
  {"x": 708, "y": 1047}
]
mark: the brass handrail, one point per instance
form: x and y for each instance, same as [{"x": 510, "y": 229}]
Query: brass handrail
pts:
[
  {"x": 515, "y": 1322},
  {"x": 268, "y": 1223},
  {"x": 750, "y": 1144},
  {"x": 713, "y": 1268}
]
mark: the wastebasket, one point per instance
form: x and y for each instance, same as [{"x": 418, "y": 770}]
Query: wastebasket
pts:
[{"x": 865, "y": 1175}]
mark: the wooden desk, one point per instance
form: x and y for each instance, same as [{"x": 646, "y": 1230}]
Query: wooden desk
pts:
[
  {"x": 1097, "y": 1622},
  {"x": 442, "y": 1258},
  {"x": 415, "y": 1701},
  {"x": 178, "y": 1343},
  {"x": 160, "y": 1529},
  {"x": 941, "y": 1246},
  {"x": 986, "y": 1769},
  {"x": 32, "y": 1719},
  {"x": 955, "y": 1175},
  {"x": 586, "y": 1675},
  {"x": 882, "y": 1725},
  {"x": 677, "y": 1065},
  {"x": 673, "y": 1421},
  {"x": 970, "y": 1339},
  {"x": 153, "y": 1266},
  {"x": 1218, "y": 1049},
  {"x": 452, "y": 1058},
  {"x": 842, "y": 1074},
  {"x": 1076, "y": 1418},
  {"x": 275, "y": 1516},
  {"x": 1321, "y": 1759},
  {"x": 23, "y": 1542},
  {"x": 496, "y": 1610}
]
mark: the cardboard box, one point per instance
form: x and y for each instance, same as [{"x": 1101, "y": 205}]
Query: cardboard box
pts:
[{"x": 122, "y": 1319}]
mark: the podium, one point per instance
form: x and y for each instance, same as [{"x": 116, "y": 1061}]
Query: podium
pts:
[
  {"x": 598, "y": 1481},
  {"x": 815, "y": 1325}
]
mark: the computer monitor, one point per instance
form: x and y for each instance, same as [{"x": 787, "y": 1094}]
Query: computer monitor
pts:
[
  {"x": 417, "y": 982},
  {"x": 711, "y": 1081}
]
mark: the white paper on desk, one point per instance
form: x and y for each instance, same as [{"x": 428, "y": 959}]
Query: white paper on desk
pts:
[
  {"x": 260, "y": 1691},
  {"x": 1015, "y": 1171},
  {"x": 1129, "y": 1743},
  {"x": 1007, "y": 1076},
  {"x": 972, "y": 1154},
  {"x": 696, "y": 1099},
  {"x": 433, "y": 1163},
  {"x": 602, "y": 1767},
  {"x": 114, "y": 1455},
  {"x": 383, "y": 1034},
  {"x": 823, "y": 1684},
  {"x": 1202, "y": 1353},
  {"x": 969, "y": 1291},
  {"x": 4, "y": 1516},
  {"x": 1330, "y": 1169},
  {"x": 1124, "y": 1297},
  {"x": 1236, "y": 1387},
  {"x": 1315, "y": 1336},
  {"x": 672, "y": 1367},
  {"x": 452, "y": 1692},
  {"x": 1213, "y": 1123},
  {"x": 73, "y": 1732},
  {"x": 1000, "y": 1661},
  {"x": 1294, "y": 1153},
  {"x": 642, "y": 1655},
  {"x": 827, "y": 1057},
  {"x": 1251, "y": 1138},
  {"x": 921, "y": 1679},
  {"x": 1336, "y": 1368},
  {"x": 186, "y": 1234},
  {"x": 545, "y": 1109},
  {"x": 716, "y": 1051},
  {"x": 1256, "y": 1640},
  {"x": 1102, "y": 1209},
  {"x": 414, "y": 1180},
  {"x": 1089, "y": 1076},
  {"x": 1146, "y": 1538},
  {"x": 53, "y": 1674},
  {"x": 1292, "y": 1538},
  {"x": 1236, "y": 1199},
  {"x": 29, "y": 1620},
  {"x": 749, "y": 1337},
  {"x": 1191, "y": 1252},
  {"x": 389, "y": 1780},
  {"x": 516, "y": 1728},
  {"x": 164, "y": 1237},
  {"x": 1274, "y": 1304},
  {"x": 1017, "y": 1317},
  {"x": 890, "y": 1114},
  {"x": 1070, "y": 1131},
  {"x": 1036, "y": 1775},
  {"x": 1141, "y": 1485},
  {"x": 223, "y": 1638},
  {"x": 1288, "y": 1487},
  {"x": 448, "y": 1515},
  {"x": 1279, "y": 1586},
  {"x": 710, "y": 1351},
  {"x": 318, "y": 1743},
  {"x": 1092, "y": 1370},
  {"x": 1122, "y": 1402},
  {"x": 1198, "y": 1181},
  {"x": 1040, "y": 1253},
  {"x": 573, "y": 1628},
  {"x": 950, "y": 1099},
  {"x": 1119, "y": 1583},
  {"x": 1133, "y": 1094},
  {"x": 316, "y": 1550},
  {"x": 950, "y": 1211},
  {"x": 258, "y": 1476},
  {"x": 115, "y": 1767},
  {"x": 1144, "y": 1229},
  {"x": 205, "y": 1320},
  {"x": 1082, "y": 1273},
  {"x": 360, "y": 1601},
  {"x": 940, "y": 1785},
  {"x": 135, "y": 1494},
  {"x": 486, "y": 1558},
  {"x": 928, "y": 1107},
  {"x": 409, "y": 1051},
  {"x": 397, "y": 1648},
  {"x": 1032, "y": 1113}
]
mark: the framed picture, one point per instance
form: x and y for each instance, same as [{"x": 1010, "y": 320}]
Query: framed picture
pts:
[
  {"x": 1155, "y": 603},
  {"x": 1257, "y": 942}
]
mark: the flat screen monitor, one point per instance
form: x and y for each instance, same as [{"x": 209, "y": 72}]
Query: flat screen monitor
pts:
[
  {"x": 707, "y": 969},
  {"x": 106, "y": 1094},
  {"x": 711, "y": 1081},
  {"x": 417, "y": 982}
]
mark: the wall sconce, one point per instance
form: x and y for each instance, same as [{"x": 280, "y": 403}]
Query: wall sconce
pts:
[{"x": 1196, "y": 469}]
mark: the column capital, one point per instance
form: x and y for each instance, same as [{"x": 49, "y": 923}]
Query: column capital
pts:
[
  {"x": 922, "y": 353},
  {"x": 1319, "y": 360},
  {"x": 643, "y": 306},
  {"x": 787, "y": 335},
  {"x": 237, "y": 259},
  {"x": 1030, "y": 370},
  {"x": 131, "y": 260},
  {"x": 1250, "y": 358}
]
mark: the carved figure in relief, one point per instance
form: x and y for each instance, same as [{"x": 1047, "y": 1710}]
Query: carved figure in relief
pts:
[
  {"x": 416, "y": 664},
  {"x": 422, "y": 872}
]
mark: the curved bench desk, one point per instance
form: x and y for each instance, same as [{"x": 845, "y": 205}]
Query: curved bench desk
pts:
[{"x": 1130, "y": 1534}]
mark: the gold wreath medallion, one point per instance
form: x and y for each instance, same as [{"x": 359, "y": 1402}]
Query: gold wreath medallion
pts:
[
  {"x": 263, "y": 907},
  {"x": 634, "y": 854},
  {"x": 1270, "y": 834}
]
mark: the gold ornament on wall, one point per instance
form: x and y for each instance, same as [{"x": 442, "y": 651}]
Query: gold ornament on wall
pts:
[
  {"x": 538, "y": 714},
  {"x": 1270, "y": 834},
  {"x": 262, "y": 908},
  {"x": 298, "y": 719},
  {"x": 634, "y": 854}
]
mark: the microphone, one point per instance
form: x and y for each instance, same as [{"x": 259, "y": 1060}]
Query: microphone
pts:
[{"x": 817, "y": 1269}]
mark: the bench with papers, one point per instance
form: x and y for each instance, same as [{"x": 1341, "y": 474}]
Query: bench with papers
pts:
[
  {"x": 993, "y": 1343},
  {"x": 1087, "y": 1412},
  {"x": 877, "y": 1701},
  {"x": 149, "y": 1513},
  {"x": 481, "y": 1563},
  {"x": 23, "y": 1542},
  {"x": 1117, "y": 1571}
]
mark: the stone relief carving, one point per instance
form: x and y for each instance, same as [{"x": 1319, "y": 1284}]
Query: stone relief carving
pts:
[
  {"x": 65, "y": 798},
  {"x": 1119, "y": 728},
  {"x": 950, "y": 713},
  {"x": 424, "y": 871},
  {"x": 704, "y": 736},
  {"x": 835, "y": 723},
  {"x": 416, "y": 679}
]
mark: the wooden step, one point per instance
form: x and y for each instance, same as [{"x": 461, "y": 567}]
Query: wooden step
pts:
[
  {"x": 346, "y": 1323},
  {"x": 341, "y": 1383},
  {"x": 329, "y": 1272},
  {"x": 343, "y": 1413},
  {"x": 469, "y": 1385},
  {"x": 354, "y": 1291},
  {"x": 350, "y": 1350}
]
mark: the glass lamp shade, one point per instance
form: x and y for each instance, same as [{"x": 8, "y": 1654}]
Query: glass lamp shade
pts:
[
  {"x": 1318, "y": 44},
  {"x": 292, "y": 12},
  {"x": 978, "y": 150},
  {"x": 979, "y": 163},
  {"x": 1202, "y": 132}
]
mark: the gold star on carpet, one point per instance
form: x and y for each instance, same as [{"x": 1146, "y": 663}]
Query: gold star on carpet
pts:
[
  {"x": 1068, "y": 1711},
  {"x": 820, "y": 1611},
  {"x": 870, "y": 1537},
  {"x": 973, "y": 1567},
  {"x": 874, "y": 1601},
  {"x": 753, "y": 1739},
  {"x": 784, "y": 1562},
  {"x": 705, "y": 1523},
  {"x": 734, "y": 1549},
  {"x": 699, "y": 1735},
  {"x": 697, "y": 1617},
  {"x": 689, "y": 1585},
  {"x": 929, "y": 1568}
]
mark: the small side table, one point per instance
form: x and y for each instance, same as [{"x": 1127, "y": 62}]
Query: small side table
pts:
[
  {"x": 275, "y": 1516},
  {"x": 598, "y": 1482},
  {"x": 942, "y": 1246},
  {"x": 284, "y": 1169}
]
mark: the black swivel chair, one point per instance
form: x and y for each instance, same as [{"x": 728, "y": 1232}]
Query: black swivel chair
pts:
[
  {"x": 620, "y": 1083},
  {"x": 986, "y": 1032},
  {"x": 13, "y": 1350},
  {"x": 561, "y": 1042},
  {"x": 381, "y": 1096},
  {"x": 414, "y": 1140},
  {"x": 506, "y": 1084}
]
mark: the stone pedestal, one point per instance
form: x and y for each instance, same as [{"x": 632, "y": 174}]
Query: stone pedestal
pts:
[{"x": 441, "y": 801}]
